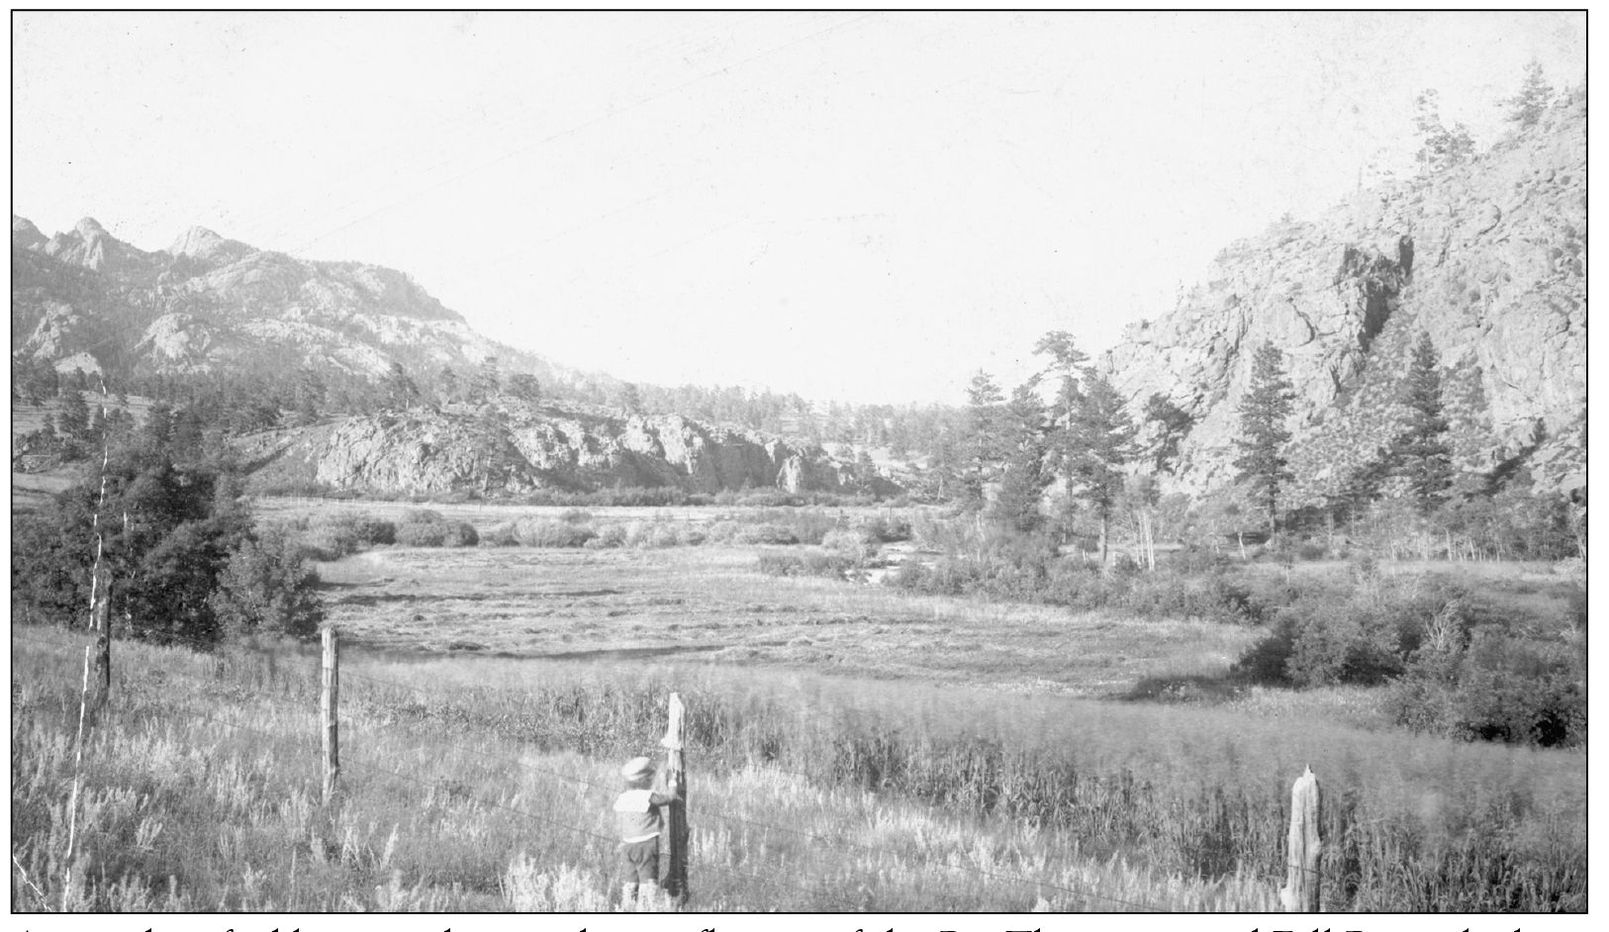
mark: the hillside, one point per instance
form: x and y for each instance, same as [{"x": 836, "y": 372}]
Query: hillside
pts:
[
  {"x": 510, "y": 449},
  {"x": 1488, "y": 258},
  {"x": 208, "y": 304}
]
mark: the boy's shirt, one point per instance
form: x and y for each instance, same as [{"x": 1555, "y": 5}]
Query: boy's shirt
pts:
[{"x": 638, "y": 813}]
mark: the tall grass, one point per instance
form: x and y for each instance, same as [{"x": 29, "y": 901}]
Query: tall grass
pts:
[{"x": 483, "y": 784}]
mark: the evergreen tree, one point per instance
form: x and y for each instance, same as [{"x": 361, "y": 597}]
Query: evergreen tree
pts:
[
  {"x": 487, "y": 382},
  {"x": 158, "y": 427},
  {"x": 1102, "y": 438},
  {"x": 985, "y": 407},
  {"x": 72, "y": 422},
  {"x": 1263, "y": 435},
  {"x": 401, "y": 392},
  {"x": 310, "y": 397},
  {"x": 1065, "y": 360},
  {"x": 1440, "y": 147},
  {"x": 1023, "y": 477},
  {"x": 525, "y": 387},
  {"x": 448, "y": 385},
  {"x": 1527, "y": 106},
  {"x": 1172, "y": 424},
  {"x": 1422, "y": 453}
]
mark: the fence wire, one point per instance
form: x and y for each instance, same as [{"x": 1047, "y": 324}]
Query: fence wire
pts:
[{"x": 825, "y": 843}]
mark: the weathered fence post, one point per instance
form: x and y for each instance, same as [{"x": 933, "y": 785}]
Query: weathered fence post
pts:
[
  {"x": 1304, "y": 847},
  {"x": 101, "y": 625},
  {"x": 329, "y": 706},
  {"x": 676, "y": 835}
]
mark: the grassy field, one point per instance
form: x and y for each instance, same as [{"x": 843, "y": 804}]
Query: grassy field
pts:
[
  {"x": 711, "y": 602},
  {"x": 853, "y": 748},
  {"x": 483, "y": 783}
]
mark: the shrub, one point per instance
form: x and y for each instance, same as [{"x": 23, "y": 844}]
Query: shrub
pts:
[
  {"x": 764, "y": 534},
  {"x": 609, "y": 536},
  {"x": 335, "y": 536},
  {"x": 1213, "y": 597},
  {"x": 267, "y": 588},
  {"x": 1488, "y": 684},
  {"x": 500, "y": 535},
  {"x": 657, "y": 534},
  {"x": 814, "y": 563},
  {"x": 423, "y": 528},
  {"x": 542, "y": 532},
  {"x": 857, "y": 545},
  {"x": 889, "y": 528}
]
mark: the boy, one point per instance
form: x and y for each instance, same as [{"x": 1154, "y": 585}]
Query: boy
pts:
[{"x": 637, "y": 810}]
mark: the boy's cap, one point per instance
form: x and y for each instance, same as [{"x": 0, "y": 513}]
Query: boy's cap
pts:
[{"x": 637, "y": 767}]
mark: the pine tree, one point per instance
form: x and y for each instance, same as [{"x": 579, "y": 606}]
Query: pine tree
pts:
[
  {"x": 73, "y": 420},
  {"x": 1423, "y": 455},
  {"x": 1102, "y": 438},
  {"x": 1263, "y": 435},
  {"x": 1440, "y": 147},
  {"x": 487, "y": 382},
  {"x": 1023, "y": 478},
  {"x": 1172, "y": 424},
  {"x": 525, "y": 387},
  {"x": 983, "y": 441},
  {"x": 1527, "y": 106},
  {"x": 400, "y": 389},
  {"x": 1065, "y": 360}
]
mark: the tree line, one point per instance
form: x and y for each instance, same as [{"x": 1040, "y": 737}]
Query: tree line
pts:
[{"x": 179, "y": 558}]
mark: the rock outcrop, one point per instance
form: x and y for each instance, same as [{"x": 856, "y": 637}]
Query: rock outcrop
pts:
[
  {"x": 1488, "y": 258},
  {"x": 208, "y": 303},
  {"x": 518, "y": 449}
]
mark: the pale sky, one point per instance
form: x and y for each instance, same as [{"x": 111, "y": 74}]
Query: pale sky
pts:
[{"x": 862, "y": 207}]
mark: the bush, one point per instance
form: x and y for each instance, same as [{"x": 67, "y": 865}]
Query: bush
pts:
[
  {"x": 764, "y": 534},
  {"x": 422, "y": 528},
  {"x": 609, "y": 536},
  {"x": 809, "y": 564},
  {"x": 267, "y": 588},
  {"x": 1213, "y": 596},
  {"x": 889, "y": 528},
  {"x": 500, "y": 535},
  {"x": 344, "y": 533},
  {"x": 542, "y": 532},
  {"x": 1487, "y": 684},
  {"x": 657, "y": 534},
  {"x": 857, "y": 545}
]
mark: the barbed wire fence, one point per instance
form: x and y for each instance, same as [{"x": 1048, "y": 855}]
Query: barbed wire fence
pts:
[{"x": 295, "y": 690}]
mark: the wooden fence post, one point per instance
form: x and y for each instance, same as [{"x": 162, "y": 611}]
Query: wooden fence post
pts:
[
  {"x": 101, "y": 625},
  {"x": 676, "y": 834},
  {"x": 1304, "y": 847},
  {"x": 329, "y": 706}
]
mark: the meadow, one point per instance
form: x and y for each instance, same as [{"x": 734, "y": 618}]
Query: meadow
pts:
[{"x": 852, "y": 747}]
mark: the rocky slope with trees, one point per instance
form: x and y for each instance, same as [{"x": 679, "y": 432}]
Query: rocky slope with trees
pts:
[
  {"x": 1484, "y": 253},
  {"x": 505, "y": 448}
]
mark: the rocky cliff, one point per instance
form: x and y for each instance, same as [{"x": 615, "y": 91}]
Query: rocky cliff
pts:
[
  {"x": 513, "y": 449},
  {"x": 1488, "y": 258}
]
